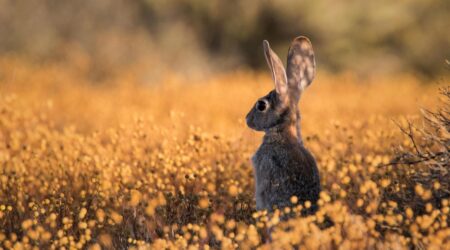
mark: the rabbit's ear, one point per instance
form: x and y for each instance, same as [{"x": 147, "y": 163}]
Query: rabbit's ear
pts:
[
  {"x": 301, "y": 66},
  {"x": 278, "y": 72}
]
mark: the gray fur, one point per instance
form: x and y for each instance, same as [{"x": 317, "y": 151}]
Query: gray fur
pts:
[{"x": 283, "y": 167}]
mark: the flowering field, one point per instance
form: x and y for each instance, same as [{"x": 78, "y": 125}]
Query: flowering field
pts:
[{"x": 167, "y": 165}]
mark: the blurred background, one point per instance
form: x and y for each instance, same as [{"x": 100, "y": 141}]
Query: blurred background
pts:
[{"x": 199, "y": 38}]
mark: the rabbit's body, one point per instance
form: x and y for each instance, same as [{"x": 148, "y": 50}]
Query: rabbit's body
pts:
[{"x": 283, "y": 167}]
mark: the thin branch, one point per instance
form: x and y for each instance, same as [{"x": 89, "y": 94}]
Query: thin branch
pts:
[{"x": 410, "y": 134}]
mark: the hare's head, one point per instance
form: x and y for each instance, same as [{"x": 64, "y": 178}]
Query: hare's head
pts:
[{"x": 279, "y": 107}]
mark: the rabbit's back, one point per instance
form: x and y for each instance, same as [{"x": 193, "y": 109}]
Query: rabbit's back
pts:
[{"x": 283, "y": 171}]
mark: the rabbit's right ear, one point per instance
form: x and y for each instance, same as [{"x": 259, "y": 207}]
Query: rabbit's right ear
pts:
[
  {"x": 278, "y": 71},
  {"x": 301, "y": 66}
]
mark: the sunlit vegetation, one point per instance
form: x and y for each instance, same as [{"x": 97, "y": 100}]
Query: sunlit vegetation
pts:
[{"x": 167, "y": 165}]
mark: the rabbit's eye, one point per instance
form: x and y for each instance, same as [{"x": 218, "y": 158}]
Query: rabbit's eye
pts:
[{"x": 261, "y": 105}]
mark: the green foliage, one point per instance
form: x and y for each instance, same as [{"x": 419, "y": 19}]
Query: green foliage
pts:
[{"x": 365, "y": 37}]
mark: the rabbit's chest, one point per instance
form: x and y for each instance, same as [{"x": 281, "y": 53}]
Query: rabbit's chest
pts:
[{"x": 268, "y": 159}]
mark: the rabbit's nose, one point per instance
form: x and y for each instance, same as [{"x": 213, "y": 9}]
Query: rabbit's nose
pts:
[{"x": 248, "y": 120}]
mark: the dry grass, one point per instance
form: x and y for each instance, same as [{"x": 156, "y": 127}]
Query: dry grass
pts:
[{"x": 167, "y": 166}]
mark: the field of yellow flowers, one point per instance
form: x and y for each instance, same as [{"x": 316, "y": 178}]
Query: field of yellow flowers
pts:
[{"x": 166, "y": 165}]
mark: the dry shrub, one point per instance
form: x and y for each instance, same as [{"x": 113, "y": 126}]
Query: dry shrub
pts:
[{"x": 421, "y": 168}]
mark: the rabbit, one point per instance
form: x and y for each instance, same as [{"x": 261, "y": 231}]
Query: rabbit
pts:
[{"x": 283, "y": 167}]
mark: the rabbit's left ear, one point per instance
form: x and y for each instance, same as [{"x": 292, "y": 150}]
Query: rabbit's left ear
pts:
[
  {"x": 278, "y": 71},
  {"x": 301, "y": 66}
]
